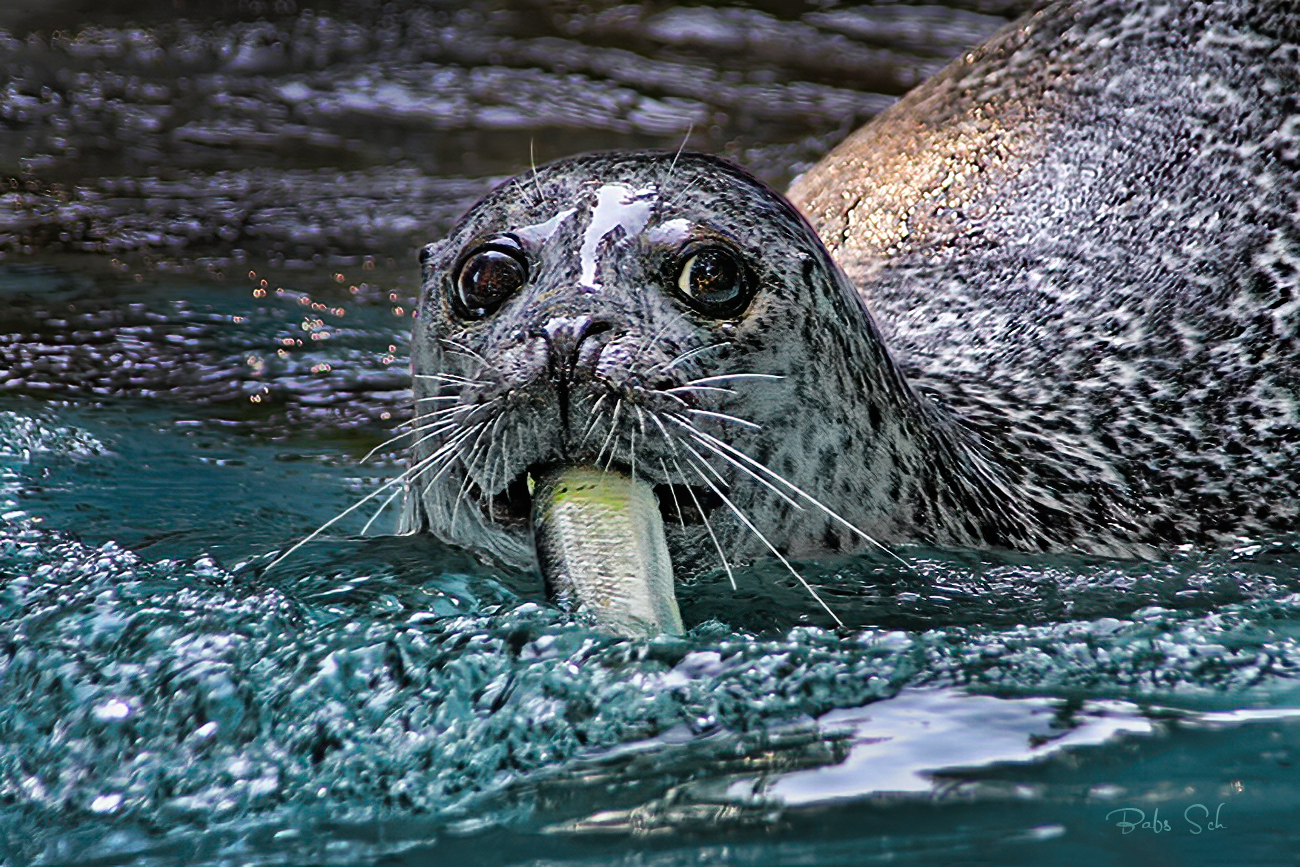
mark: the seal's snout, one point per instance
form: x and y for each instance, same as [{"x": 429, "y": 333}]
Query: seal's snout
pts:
[{"x": 573, "y": 347}]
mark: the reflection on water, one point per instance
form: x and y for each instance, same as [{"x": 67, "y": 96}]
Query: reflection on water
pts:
[
  {"x": 170, "y": 700},
  {"x": 310, "y": 138},
  {"x": 265, "y": 357}
]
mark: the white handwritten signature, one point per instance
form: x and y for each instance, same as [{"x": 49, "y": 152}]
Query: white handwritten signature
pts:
[{"x": 1132, "y": 819}]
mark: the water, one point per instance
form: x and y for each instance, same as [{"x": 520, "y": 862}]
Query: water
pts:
[
  {"x": 202, "y": 333},
  {"x": 169, "y": 700}
]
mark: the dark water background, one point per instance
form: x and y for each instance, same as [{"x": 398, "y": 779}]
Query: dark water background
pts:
[{"x": 208, "y": 240}]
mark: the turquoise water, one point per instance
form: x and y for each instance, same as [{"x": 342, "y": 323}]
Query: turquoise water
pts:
[{"x": 167, "y": 699}]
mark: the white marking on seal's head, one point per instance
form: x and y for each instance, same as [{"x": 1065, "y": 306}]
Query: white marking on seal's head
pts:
[
  {"x": 616, "y": 207},
  {"x": 539, "y": 232}
]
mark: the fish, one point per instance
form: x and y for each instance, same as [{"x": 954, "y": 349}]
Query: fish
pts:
[{"x": 602, "y": 551}]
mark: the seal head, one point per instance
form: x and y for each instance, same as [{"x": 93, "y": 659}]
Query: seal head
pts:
[
  {"x": 670, "y": 317},
  {"x": 674, "y": 319}
]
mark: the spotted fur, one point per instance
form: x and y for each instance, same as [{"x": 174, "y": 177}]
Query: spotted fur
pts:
[
  {"x": 1080, "y": 246},
  {"x": 1103, "y": 292}
]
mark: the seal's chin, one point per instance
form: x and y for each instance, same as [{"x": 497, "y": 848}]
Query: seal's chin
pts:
[{"x": 512, "y": 506}]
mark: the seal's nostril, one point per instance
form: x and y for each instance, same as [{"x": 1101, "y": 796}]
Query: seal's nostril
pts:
[
  {"x": 565, "y": 335},
  {"x": 590, "y": 346},
  {"x": 573, "y": 343}
]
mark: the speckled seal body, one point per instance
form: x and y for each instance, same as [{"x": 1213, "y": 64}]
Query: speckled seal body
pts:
[{"x": 1080, "y": 250}]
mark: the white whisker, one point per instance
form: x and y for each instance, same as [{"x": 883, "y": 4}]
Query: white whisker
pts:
[
  {"x": 613, "y": 426},
  {"x": 505, "y": 463},
  {"x": 537, "y": 181},
  {"x": 447, "y": 460},
  {"x": 388, "y": 442},
  {"x": 717, "y": 545},
  {"x": 384, "y": 505},
  {"x": 471, "y": 456},
  {"x": 435, "y": 431},
  {"x": 678, "y": 388},
  {"x": 631, "y": 450},
  {"x": 462, "y": 349},
  {"x": 744, "y": 520},
  {"x": 753, "y": 475},
  {"x": 654, "y": 417},
  {"x": 595, "y": 417},
  {"x": 398, "y": 480},
  {"x": 446, "y": 377},
  {"x": 772, "y": 474},
  {"x": 461, "y": 493},
  {"x": 724, "y": 377},
  {"x": 683, "y": 190},
  {"x": 672, "y": 491},
  {"x": 681, "y": 147},
  {"x": 613, "y": 452},
  {"x": 645, "y": 346},
  {"x": 699, "y": 457},
  {"x": 725, "y": 417},
  {"x": 687, "y": 356},
  {"x": 434, "y": 424},
  {"x": 445, "y": 454},
  {"x": 455, "y": 410}
]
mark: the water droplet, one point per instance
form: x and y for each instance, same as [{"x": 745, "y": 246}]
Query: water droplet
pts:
[
  {"x": 106, "y": 803},
  {"x": 112, "y": 710}
]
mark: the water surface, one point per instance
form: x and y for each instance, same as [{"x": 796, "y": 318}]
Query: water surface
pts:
[{"x": 204, "y": 304}]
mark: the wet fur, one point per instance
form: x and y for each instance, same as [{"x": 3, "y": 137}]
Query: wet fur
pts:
[{"x": 1091, "y": 307}]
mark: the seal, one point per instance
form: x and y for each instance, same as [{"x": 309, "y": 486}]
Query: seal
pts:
[{"x": 1080, "y": 250}]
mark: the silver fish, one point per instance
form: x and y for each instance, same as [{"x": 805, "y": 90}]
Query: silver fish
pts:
[{"x": 601, "y": 547}]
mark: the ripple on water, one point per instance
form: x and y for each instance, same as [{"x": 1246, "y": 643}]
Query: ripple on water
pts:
[
  {"x": 179, "y": 694},
  {"x": 392, "y": 700},
  {"x": 372, "y": 697},
  {"x": 280, "y": 135}
]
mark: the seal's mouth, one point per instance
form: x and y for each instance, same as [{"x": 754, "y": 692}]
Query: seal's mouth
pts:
[{"x": 512, "y": 507}]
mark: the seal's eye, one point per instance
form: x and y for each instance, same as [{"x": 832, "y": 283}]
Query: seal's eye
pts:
[
  {"x": 715, "y": 282},
  {"x": 488, "y": 276}
]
